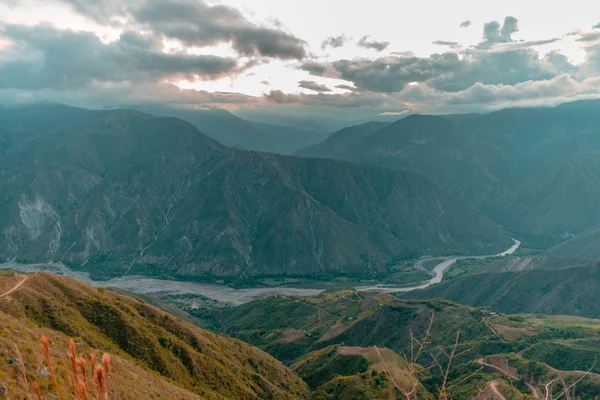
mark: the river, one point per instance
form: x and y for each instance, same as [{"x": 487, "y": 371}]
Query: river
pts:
[
  {"x": 228, "y": 295},
  {"x": 438, "y": 271}
]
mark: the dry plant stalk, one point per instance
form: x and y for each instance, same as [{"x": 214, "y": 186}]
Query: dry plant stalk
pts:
[
  {"x": 46, "y": 353},
  {"x": 24, "y": 382},
  {"x": 37, "y": 391},
  {"x": 99, "y": 375},
  {"x": 410, "y": 363}
]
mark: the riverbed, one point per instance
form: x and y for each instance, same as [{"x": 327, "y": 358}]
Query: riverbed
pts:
[{"x": 228, "y": 295}]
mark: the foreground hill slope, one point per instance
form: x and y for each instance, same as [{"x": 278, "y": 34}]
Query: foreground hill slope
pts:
[
  {"x": 147, "y": 342},
  {"x": 125, "y": 192}
]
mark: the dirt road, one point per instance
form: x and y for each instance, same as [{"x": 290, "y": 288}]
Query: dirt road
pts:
[{"x": 22, "y": 279}]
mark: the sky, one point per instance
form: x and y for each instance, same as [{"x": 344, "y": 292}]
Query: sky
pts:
[{"x": 376, "y": 57}]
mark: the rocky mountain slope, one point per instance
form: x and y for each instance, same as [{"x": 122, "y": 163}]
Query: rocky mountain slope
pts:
[
  {"x": 558, "y": 203},
  {"x": 122, "y": 192}
]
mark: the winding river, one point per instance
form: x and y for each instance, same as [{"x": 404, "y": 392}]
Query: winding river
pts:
[
  {"x": 228, "y": 295},
  {"x": 438, "y": 271}
]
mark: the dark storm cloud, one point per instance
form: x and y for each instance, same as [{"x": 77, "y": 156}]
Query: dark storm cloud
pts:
[
  {"x": 452, "y": 45},
  {"x": 312, "y": 85},
  {"x": 195, "y": 23},
  {"x": 334, "y": 41},
  {"x": 44, "y": 57},
  {"x": 465, "y": 24},
  {"x": 372, "y": 44}
]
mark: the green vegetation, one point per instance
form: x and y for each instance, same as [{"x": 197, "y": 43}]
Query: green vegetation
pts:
[{"x": 329, "y": 341}]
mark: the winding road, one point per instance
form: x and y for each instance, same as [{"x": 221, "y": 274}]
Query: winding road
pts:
[{"x": 438, "y": 271}]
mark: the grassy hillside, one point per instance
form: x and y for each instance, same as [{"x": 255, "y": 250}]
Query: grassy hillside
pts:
[
  {"x": 160, "y": 345},
  {"x": 288, "y": 327},
  {"x": 342, "y": 372},
  {"x": 331, "y": 341}
]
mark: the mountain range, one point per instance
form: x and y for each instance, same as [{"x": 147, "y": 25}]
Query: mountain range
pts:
[{"x": 123, "y": 192}]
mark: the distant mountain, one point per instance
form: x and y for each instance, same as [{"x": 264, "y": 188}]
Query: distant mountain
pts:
[
  {"x": 236, "y": 132},
  {"x": 559, "y": 202},
  {"x": 462, "y": 164},
  {"x": 129, "y": 193},
  {"x": 586, "y": 244},
  {"x": 341, "y": 142},
  {"x": 513, "y": 164},
  {"x": 154, "y": 354},
  {"x": 569, "y": 290}
]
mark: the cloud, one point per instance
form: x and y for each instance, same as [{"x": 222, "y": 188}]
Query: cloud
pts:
[
  {"x": 346, "y": 87},
  {"x": 334, "y": 41},
  {"x": 45, "y": 57},
  {"x": 497, "y": 60},
  {"x": 588, "y": 37},
  {"x": 465, "y": 24},
  {"x": 195, "y": 23},
  {"x": 494, "y": 33},
  {"x": 375, "y": 45},
  {"x": 267, "y": 83},
  {"x": 479, "y": 97},
  {"x": 452, "y": 45},
  {"x": 312, "y": 85},
  {"x": 597, "y": 26}
]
